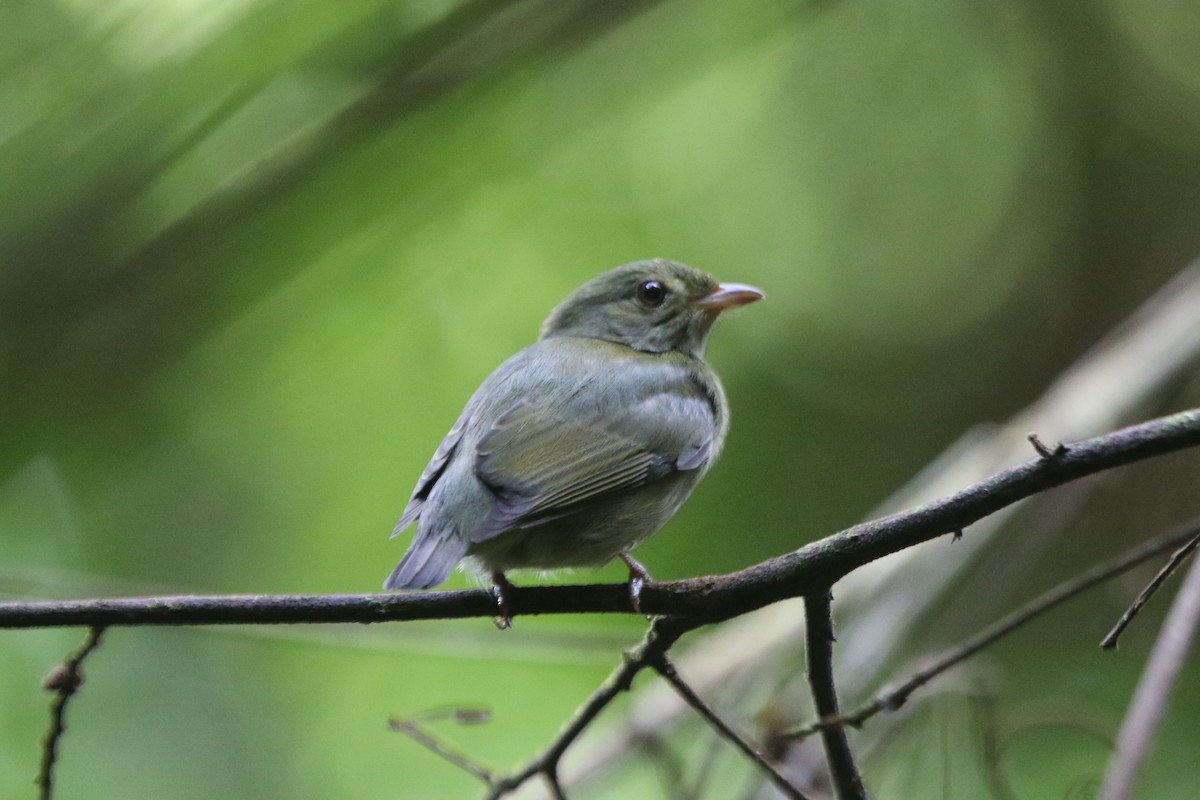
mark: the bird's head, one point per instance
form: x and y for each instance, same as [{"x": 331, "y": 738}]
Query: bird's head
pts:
[{"x": 654, "y": 306}]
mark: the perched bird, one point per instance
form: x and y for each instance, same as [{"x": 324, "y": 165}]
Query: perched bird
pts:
[{"x": 583, "y": 444}]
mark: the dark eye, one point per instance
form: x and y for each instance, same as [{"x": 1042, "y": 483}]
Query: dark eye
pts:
[{"x": 651, "y": 293}]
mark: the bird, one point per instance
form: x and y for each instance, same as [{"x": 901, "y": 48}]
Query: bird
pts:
[{"x": 583, "y": 444}]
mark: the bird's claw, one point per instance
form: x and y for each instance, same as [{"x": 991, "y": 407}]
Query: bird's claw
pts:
[
  {"x": 500, "y": 587},
  {"x": 638, "y": 578}
]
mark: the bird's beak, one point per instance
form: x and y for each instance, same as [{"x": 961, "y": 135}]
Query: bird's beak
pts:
[{"x": 729, "y": 295}]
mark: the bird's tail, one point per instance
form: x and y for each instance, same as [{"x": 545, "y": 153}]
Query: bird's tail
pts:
[{"x": 430, "y": 559}]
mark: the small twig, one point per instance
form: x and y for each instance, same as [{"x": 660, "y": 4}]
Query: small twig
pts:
[
  {"x": 663, "y": 633},
  {"x": 818, "y": 645},
  {"x": 64, "y": 680},
  {"x": 667, "y": 670},
  {"x": 1045, "y": 452},
  {"x": 411, "y": 727},
  {"x": 893, "y": 699},
  {"x": 1110, "y": 641},
  {"x": 1154, "y": 688}
]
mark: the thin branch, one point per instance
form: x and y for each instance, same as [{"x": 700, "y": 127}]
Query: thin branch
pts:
[
  {"x": 667, "y": 670},
  {"x": 64, "y": 680},
  {"x": 818, "y": 647},
  {"x": 894, "y": 698},
  {"x": 708, "y": 599},
  {"x": 1154, "y": 688},
  {"x": 412, "y": 727},
  {"x": 1110, "y": 641},
  {"x": 663, "y": 634}
]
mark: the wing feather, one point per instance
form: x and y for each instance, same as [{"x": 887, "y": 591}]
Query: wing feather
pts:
[
  {"x": 542, "y": 466},
  {"x": 433, "y": 470}
]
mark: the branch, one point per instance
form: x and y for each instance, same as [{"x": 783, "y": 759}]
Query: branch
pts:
[
  {"x": 652, "y": 652},
  {"x": 709, "y": 599},
  {"x": 893, "y": 699},
  {"x": 1154, "y": 688},
  {"x": 412, "y": 727},
  {"x": 818, "y": 646},
  {"x": 1110, "y": 641},
  {"x": 64, "y": 679},
  {"x": 663, "y": 633},
  {"x": 667, "y": 670}
]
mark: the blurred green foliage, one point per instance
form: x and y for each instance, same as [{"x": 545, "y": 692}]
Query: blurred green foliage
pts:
[{"x": 254, "y": 256}]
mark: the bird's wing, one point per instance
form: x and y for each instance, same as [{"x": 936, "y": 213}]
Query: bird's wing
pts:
[
  {"x": 433, "y": 470},
  {"x": 542, "y": 465}
]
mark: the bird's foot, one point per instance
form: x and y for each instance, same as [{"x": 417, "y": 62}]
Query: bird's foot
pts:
[
  {"x": 500, "y": 588},
  {"x": 638, "y": 578}
]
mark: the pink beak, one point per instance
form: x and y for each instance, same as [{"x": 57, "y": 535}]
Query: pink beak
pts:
[{"x": 729, "y": 295}]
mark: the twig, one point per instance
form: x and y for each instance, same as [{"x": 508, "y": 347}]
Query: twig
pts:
[
  {"x": 709, "y": 599},
  {"x": 1153, "y": 689},
  {"x": 64, "y": 680},
  {"x": 1043, "y": 450},
  {"x": 411, "y": 727},
  {"x": 818, "y": 647},
  {"x": 663, "y": 633},
  {"x": 1110, "y": 641},
  {"x": 667, "y": 670},
  {"x": 894, "y": 698}
]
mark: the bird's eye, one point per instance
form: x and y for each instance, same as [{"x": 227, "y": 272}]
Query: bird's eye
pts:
[{"x": 651, "y": 293}]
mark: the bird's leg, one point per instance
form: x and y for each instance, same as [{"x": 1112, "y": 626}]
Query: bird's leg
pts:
[
  {"x": 638, "y": 577},
  {"x": 500, "y": 587}
]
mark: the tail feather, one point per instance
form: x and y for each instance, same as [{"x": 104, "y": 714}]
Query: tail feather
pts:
[{"x": 429, "y": 561}]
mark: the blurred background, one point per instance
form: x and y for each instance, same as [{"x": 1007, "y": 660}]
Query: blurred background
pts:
[{"x": 255, "y": 255}]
